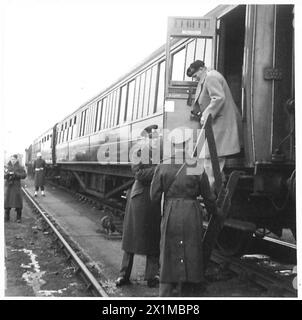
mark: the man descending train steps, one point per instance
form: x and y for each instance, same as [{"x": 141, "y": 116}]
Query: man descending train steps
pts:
[{"x": 213, "y": 96}]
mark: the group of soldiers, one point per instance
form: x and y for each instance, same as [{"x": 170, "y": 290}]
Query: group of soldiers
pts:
[
  {"x": 163, "y": 218},
  {"x": 14, "y": 172}
]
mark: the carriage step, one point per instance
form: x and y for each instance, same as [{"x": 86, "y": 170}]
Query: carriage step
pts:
[{"x": 240, "y": 225}]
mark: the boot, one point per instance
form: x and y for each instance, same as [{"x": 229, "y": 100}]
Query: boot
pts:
[
  {"x": 19, "y": 212},
  {"x": 7, "y": 218},
  {"x": 35, "y": 193},
  {"x": 43, "y": 194}
]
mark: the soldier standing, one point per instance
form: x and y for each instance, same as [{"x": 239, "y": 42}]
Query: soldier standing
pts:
[
  {"x": 141, "y": 230},
  {"x": 13, "y": 173},
  {"x": 39, "y": 169},
  {"x": 181, "y": 259}
]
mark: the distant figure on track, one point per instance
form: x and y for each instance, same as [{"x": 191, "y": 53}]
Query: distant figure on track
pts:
[
  {"x": 13, "y": 173},
  {"x": 39, "y": 170},
  {"x": 141, "y": 230}
]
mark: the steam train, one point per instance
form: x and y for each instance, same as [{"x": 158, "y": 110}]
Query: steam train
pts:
[{"x": 253, "y": 47}]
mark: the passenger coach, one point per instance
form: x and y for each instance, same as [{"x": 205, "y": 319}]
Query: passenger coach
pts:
[{"x": 253, "y": 47}]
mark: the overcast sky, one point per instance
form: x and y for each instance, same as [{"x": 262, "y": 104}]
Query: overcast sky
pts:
[{"x": 57, "y": 54}]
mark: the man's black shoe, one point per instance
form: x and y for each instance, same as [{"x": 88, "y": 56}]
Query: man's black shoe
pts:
[
  {"x": 121, "y": 281},
  {"x": 152, "y": 283}
]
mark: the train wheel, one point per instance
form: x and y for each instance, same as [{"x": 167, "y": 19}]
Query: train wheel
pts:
[{"x": 233, "y": 242}]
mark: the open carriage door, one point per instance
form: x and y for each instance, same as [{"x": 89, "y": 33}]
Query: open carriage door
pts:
[{"x": 188, "y": 39}]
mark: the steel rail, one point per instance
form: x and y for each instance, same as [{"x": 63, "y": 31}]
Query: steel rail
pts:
[
  {"x": 94, "y": 283},
  {"x": 264, "y": 278}
]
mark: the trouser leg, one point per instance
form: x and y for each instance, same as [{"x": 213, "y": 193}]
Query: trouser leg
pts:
[
  {"x": 42, "y": 188},
  {"x": 190, "y": 289},
  {"x": 127, "y": 263},
  {"x": 152, "y": 267},
  {"x": 167, "y": 289},
  {"x": 7, "y": 213},
  {"x": 36, "y": 188},
  {"x": 19, "y": 213},
  {"x": 210, "y": 172}
]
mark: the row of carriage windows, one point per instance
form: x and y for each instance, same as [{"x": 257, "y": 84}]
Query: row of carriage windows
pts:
[
  {"x": 46, "y": 138},
  {"x": 138, "y": 98}
]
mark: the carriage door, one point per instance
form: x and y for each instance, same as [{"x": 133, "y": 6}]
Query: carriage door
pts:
[{"x": 188, "y": 39}]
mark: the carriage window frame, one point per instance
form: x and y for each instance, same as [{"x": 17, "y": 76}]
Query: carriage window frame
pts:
[
  {"x": 123, "y": 103},
  {"x": 153, "y": 89},
  {"x": 136, "y": 97},
  {"x": 147, "y": 92},
  {"x": 130, "y": 100},
  {"x": 160, "y": 86}
]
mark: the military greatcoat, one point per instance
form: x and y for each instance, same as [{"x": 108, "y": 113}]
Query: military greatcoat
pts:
[
  {"x": 214, "y": 97},
  {"x": 39, "y": 170},
  {"x": 12, "y": 192},
  {"x": 181, "y": 258},
  {"x": 141, "y": 229}
]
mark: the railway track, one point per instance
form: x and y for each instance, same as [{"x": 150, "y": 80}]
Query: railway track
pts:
[
  {"x": 92, "y": 284},
  {"x": 276, "y": 278}
]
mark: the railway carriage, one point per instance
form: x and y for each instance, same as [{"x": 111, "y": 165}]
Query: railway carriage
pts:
[{"x": 253, "y": 47}]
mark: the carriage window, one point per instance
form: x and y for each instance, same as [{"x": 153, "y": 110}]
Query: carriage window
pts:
[
  {"x": 141, "y": 96},
  {"x": 104, "y": 108},
  {"x": 152, "y": 89},
  {"x": 204, "y": 51},
  {"x": 190, "y": 56},
  {"x": 67, "y": 135},
  {"x": 74, "y": 129},
  {"x": 178, "y": 59},
  {"x": 123, "y": 110},
  {"x": 136, "y": 97},
  {"x": 111, "y": 109},
  {"x": 83, "y": 122},
  {"x": 147, "y": 92},
  {"x": 98, "y": 116},
  {"x": 116, "y": 96},
  {"x": 75, "y": 120},
  {"x": 107, "y": 110},
  {"x": 130, "y": 100},
  {"x": 90, "y": 117},
  {"x": 161, "y": 87},
  {"x": 117, "y": 107}
]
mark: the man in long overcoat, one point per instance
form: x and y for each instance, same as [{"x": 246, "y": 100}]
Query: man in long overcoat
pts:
[
  {"x": 181, "y": 258},
  {"x": 213, "y": 96},
  {"x": 39, "y": 170},
  {"x": 13, "y": 173},
  {"x": 141, "y": 229}
]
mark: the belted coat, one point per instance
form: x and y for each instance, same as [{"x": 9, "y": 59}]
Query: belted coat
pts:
[
  {"x": 12, "y": 191},
  {"x": 181, "y": 256},
  {"x": 39, "y": 170},
  {"x": 141, "y": 228},
  {"x": 214, "y": 97}
]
